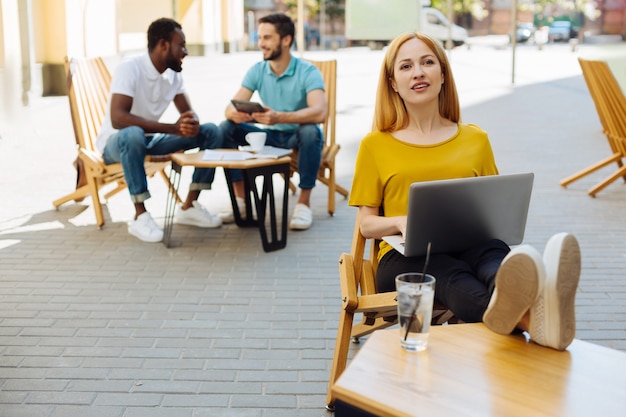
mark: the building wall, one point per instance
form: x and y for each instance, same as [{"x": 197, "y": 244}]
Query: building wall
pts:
[
  {"x": 2, "y": 53},
  {"x": 50, "y": 30}
]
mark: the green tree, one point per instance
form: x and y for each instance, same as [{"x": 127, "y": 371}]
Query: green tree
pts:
[
  {"x": 474, "y": 8},
  {"x": 311, "y": 8},
  {"x": 334, "y": 9}
]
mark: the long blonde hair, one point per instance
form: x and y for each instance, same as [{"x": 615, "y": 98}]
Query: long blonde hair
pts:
[{"x": 390, "y": 113}]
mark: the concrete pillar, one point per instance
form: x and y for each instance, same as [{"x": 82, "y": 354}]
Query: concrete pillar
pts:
[
  {"x": 50, "y": 40},
  {"x": 232, "y": 34}
]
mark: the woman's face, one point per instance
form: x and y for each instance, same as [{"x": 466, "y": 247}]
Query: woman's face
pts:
[{"x": 417, "y": 74}]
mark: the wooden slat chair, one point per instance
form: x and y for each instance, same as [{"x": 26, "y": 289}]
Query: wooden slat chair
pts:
[
  {"x": 326, "y": 173},
  {"x": 88, "y": 84},
  {"x": 610, "y": 105},
  {"x": 357, "y": 277}
]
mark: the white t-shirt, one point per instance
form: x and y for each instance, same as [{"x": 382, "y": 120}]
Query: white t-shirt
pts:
[{"x": 151, "y": 91}]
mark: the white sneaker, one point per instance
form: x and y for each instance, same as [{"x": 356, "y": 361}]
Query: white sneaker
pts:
[
  {"x": 302, "y": 217},
  {"x": 227, "y": 216},
  {"x": 144, "y": 228},
  {"x": 197, "y": 216},
  {"x": 519, "y": 280},
  {"x": 552, "y": 317}
]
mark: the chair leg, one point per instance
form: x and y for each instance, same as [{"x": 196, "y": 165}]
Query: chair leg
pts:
[
  {"x": 338, "y": 188},
  {"x": 340, "y": 356},
  {"x": 331, "y": 192},
  {"x": 341, "y": 190},
  {"x": 78, "y": 195},
  {"x": 95, "y": 200},
  {"x": 595, "y": 190},
  {"x": 121, "y": 186},
  {"x": 613, "y": 158}
]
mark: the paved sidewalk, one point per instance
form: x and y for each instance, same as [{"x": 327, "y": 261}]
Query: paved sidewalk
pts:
[{"x": 96, "y": 323}]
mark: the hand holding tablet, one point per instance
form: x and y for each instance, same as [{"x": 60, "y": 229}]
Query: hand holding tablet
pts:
[{"x": 248, "y": 106}]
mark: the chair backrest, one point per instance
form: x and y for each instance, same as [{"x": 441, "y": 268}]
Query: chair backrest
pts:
[
  {"x": 88, "y": 84},
  {"x": 609, "y": 101},
  {"x": 329, "y": 73}
]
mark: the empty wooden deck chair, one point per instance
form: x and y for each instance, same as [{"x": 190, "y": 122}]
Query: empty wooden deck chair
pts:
[
  {"x": 326, "y": 173},
  {"x": 88, "y": 84},
  {"x": 357, "y": 276},
  {"x": 610, "y": 105}
]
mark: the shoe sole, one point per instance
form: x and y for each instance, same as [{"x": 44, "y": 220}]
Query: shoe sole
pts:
[
  {"x": 149, "y": 240},
  {"x": 562, "y": 279},
  {"x": 517, "y": 287},
  {"x": 192, "y": 223},
  {"x": 299, "y": 227}
]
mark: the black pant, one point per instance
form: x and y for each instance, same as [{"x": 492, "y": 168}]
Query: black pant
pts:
[{"x": 464, "y": 280}]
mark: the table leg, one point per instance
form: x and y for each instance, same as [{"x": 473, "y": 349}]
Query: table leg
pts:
[
  {"x": 262, "y": 199},
  {"x": 247, "y": 221},
  {"x": 170, "y": 205}
]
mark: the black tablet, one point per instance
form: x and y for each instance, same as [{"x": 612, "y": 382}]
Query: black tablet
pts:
[{"x": 247, "y": 106}]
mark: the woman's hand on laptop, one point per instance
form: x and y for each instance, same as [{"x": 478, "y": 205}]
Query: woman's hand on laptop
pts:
[{"x": 401, "y": 225}]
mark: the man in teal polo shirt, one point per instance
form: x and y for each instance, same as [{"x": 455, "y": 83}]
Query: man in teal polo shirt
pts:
[{"x": 292, "y": 93}]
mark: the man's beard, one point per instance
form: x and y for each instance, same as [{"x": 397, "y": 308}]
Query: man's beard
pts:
[
  {"x": 275, "y": 54},
  {"x": 174, "y": 64}
]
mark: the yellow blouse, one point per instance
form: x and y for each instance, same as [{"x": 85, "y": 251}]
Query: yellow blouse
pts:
[{"x": 386, "y": 167}]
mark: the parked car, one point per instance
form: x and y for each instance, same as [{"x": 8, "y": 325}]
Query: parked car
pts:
[
  {"x": 524, "y": 32},
  {"x": 560, "y": 30}
]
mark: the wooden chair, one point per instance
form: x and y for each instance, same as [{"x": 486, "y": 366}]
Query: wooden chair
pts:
[
  {"x": 610, "y": 105},
  {"x": 358, "y": 295},
  {"x": 326, "y": 173},
  {"x": 88, "y": 84}
]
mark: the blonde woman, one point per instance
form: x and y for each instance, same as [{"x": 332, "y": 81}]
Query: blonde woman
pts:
[{"x": 418, "y": 136}]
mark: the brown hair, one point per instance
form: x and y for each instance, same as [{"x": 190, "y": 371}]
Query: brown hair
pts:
[{"x": 283, "y": 25}]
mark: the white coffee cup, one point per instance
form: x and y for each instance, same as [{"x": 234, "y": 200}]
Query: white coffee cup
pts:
[{"x": 256, "y": 140}]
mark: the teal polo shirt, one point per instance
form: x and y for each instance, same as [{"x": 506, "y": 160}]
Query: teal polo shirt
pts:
[{"x": 286, "y": 93}]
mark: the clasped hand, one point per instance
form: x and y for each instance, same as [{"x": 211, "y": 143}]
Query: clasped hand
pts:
[{"x": 188, "y": 124}]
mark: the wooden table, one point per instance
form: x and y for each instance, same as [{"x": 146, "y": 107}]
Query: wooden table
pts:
[
  {"x": 470, "y": 371},
  {"x": 253, "y": 169}
]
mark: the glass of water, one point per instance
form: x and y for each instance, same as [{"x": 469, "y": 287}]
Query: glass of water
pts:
[{"x": 416, "y": 293}]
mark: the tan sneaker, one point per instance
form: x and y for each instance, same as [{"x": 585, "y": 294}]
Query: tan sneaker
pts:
[
  {"x": 518, "y": 282},
  {"x": 552, "y": 317}
]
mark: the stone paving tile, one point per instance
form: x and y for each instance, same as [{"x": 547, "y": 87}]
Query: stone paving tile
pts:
[{"x": 96, "y": 323}]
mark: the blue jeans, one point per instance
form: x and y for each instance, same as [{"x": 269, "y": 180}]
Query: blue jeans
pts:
[
  {"x": 131, "y": 145},
  {"x": 464, "y": 280},
  {"x": 307, "y": 139}
]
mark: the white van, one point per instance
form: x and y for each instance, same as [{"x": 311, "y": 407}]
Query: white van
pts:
[
  {"x": 435, "y": 24},
  {"x": 375, "y": 23}
]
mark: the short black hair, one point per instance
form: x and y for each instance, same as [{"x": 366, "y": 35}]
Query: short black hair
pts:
[
  {"x": 282, "y": 23},
  {"x": 162, "y": 28}
]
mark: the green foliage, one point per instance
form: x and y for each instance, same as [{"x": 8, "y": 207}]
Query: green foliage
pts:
[
  {"x": 335, "y": 9},
  {"x": 461, "y": 7},
  {"x": 312, "y": 8}
]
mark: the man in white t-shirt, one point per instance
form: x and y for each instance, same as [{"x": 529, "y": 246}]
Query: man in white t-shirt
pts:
[{"x": 142, "y": 88}]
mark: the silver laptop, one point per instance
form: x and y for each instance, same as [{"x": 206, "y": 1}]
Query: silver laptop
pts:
[{"x": 456, "y": 215}]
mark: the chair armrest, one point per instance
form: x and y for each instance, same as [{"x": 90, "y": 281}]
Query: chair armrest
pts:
[
  {"x": 93, "y": 161},
  {"x": 379, "y": 303},
  {"x": 329, "y": 153}
]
